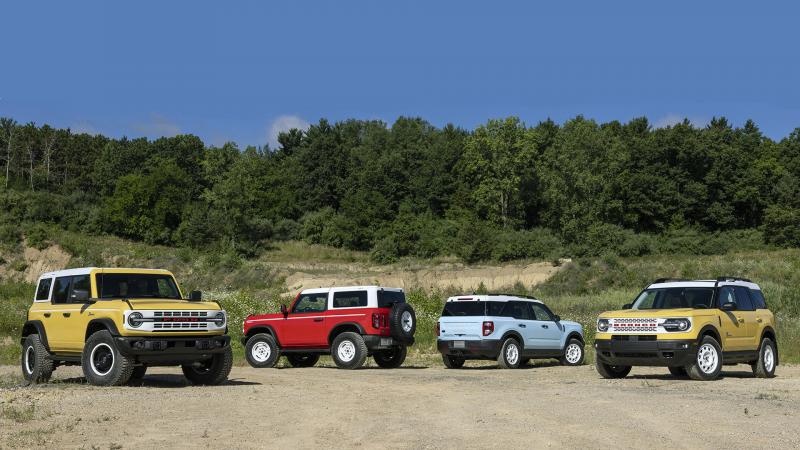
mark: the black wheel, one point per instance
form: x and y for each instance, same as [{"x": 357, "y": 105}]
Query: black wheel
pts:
[
  {"x": 678, "y": 371},
  {"x": 573, "y": 353},
  {"x": 764, "y": 367},
  {"x": 509, "y": 357},
  {"x": 102, "y": 363},
  {"x": 402, "y": 322},
  {"x": 349, "y": 350},
  {"x": 453, "y": 362},
  {"x": 210, "y": 372},
  {"x": 392, "y": 358},
  {"x": 707, "y": 363},
  {"x": 138, "y": 372},
  {"x": 302, "y": 360},
  {"x": 37, "y": 367},
  {"x": 262, "y": 351},
  {"x": 609, "y": 371}
]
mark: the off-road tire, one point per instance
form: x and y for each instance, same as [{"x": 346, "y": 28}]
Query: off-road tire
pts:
[
  {"x": 102, "y": 363},
  {"x": 392, "y": 358},
  {"x": 261, "y": 351},
  {"x": 138, "y": 372},
  {"x": 573, "y": 359},
  {"x": 352, "y": 346},
  {"x": 764, "y": 367},
  {"x": 402, "y": 322},
  {"x": 704, "y": 372},
  {"x": 611, "y": 372},
  {"x": 35, "y": 364},
  {"x": 210, "y": 372},
  {"x": 509, "y": 357},
  {"x": 453, "y": 362},
  {"x": 302, "y": 359},
  {"x": 678, "y": 371}
]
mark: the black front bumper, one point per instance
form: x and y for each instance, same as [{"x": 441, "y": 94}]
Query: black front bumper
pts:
[
  {"x": 172, "y": 349},
  {"x": 477, "y": 349},
  {"x": 631, "y": 351}
]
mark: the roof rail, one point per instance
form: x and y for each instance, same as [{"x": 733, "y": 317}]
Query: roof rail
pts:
[
  {"x": 513, "y": 295},
  {"x": 665, "y": 280},
  {"x": 733, "y": 279}
]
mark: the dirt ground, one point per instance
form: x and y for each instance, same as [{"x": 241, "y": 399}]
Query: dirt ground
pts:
[{"x": 413, "y": 407}]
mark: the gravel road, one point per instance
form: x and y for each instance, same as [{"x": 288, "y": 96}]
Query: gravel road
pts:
[{"x": 413, "y": 407}]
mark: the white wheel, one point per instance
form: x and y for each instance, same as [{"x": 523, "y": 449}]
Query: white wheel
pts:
[
  {"x": 707, "y": 359},
  {"x": 346, "y": 351},
  {"x": 102, "y": 359},
  {"x": 769, "y": 358},
  {"x": 407, "y": 321},
  {"x": 30, "y": 358},
  {"x": 512, "y": 354},
  {"x": 574, "y": 353},
  {"x": 260, "y": 352}
]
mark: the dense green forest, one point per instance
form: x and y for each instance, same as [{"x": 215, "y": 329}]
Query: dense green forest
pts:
[{"x": 502, "y": 191}]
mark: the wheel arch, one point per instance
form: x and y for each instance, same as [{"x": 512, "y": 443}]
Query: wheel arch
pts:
[
  {"x": 345, "y": 327},
  {"x": 709, "y": 330},
  {"x": 573, "y": 335},
  {"x": 266, "y": 329},
  {"x": 769, "y": 332},
  {"x": 515, "y": 335},
  {"x": 34, "y": 327},
  {"x": 96, "y": 325}
]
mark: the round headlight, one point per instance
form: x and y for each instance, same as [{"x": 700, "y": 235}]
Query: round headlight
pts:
[
  {"x": 602, "y": 325},
  {"x": 135, "y": 319},
  {"x": 683, "y": 325},
  {"x": 219, "y": 319}
]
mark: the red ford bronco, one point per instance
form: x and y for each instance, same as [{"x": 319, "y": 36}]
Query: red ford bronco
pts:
[{"x": 348, "y": 323}]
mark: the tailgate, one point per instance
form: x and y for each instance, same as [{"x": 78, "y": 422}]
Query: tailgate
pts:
[{"x": 460, "y": 327}]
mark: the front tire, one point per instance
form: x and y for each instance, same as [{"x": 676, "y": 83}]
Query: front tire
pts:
[
  {"x": 509, "y": 357},
  {"x": 610, "y": 372},
  {"x": 392, "y": 358},
  {"x": 262, "y": 351},
  {"x": 453, "y": 362},
  {"x": 707, "y": 363},
  {"x": 302, "y": 360},
  {"x": 36, "y": 366},
  {"x": 349, "y": 350},
  {"x": 211, "y": 372},
  {"x": 764, "y": 367},
  {"x": 573, "y": 353},
  {"x": 102, "y": 363}
]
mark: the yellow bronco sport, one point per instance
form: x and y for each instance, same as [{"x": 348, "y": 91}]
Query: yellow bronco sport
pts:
[
  {"x": 692, "y": 327},
  {"x": 117, "y": 322}
]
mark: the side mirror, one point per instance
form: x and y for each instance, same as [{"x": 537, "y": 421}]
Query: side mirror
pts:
[
  {"x": 627, "y": 306},
  {"x": 557, "y": 318},
  {"x": 729, "y": 306},
  {"x": 80, "y": 296},
  {"x": 195, "y": 296},
  {"x": 284, "y": 310}
]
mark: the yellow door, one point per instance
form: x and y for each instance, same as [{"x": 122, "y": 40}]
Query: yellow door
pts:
[
  {"x": 734, "y": 328},
  {"x": 55, "y": 316}
]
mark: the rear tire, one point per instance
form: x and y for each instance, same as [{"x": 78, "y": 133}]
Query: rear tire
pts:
[
  {"x": 707, "y": 363},
  {"x": 37, "y": 367},
  {"x": 402, "y": 322},
  {"x": 210, "y": 372},
  {"x": 678, "y": 371},
  {"x": 611, "y": 372},
  {"x": 573, "y": 354},
  {"x": 102, "y": 363},
  {"x": 261, "y": 351},
  {"x": 509, "y": 357},
  {"x": 765, "y": 366},
  {"x": 392, "y": 358},
  {"x": 349, "y": 350},
  {"x": 302, "y": 360},
  {"x": 453, "y": 362}
]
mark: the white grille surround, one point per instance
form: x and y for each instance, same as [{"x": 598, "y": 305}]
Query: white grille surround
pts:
[
  {"x": 643, "y": 325},
  {"x": 166, "y": 320}
]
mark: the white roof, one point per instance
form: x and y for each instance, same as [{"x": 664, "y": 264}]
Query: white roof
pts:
[
  {"x": 703, "y": 283},
  {"x": 88, "y": 270},
  {"x": 491, "y": 297},
  {"x": 348, "y": 288}
]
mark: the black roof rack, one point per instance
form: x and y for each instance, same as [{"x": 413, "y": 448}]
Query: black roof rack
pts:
[
  {"x": 733, "y": 279},
  {"x": 665, "y": 280},
  {"x": 509, "y": 295}
]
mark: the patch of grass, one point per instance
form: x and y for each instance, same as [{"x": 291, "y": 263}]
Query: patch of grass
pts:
[
  {"x": 8, "y": 381},
  {"x": 19, "y": 414},
  {"x": 766, "y": 396}
]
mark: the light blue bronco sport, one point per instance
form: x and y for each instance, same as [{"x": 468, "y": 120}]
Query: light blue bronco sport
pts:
[{"x": 509, "y": 328}]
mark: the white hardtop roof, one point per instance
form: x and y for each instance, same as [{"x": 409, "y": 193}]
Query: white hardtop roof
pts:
[
  {"x": 348, "y": 288},
  {"x": 88, "y": 270},
  {"x": 704, "y": 283},
  {"x": 491, "y": 297}
]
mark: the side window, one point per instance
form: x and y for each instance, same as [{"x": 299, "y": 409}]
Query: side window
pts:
[
  {"x": 43, "y": 291},
  {"x": 727, "y": 295},
  {"x": 388, "y": 298},
  {"x": 758, "y": 299},
  {"x": 80, "y": 288},
  {"x": 518, "y": 310},
  {"x": 311, "y": 303},
  {"x": 495, "y": 309},
  {"x": 61, "y": 290},
  {"x": 540, "y": 312},
  {"x": 349, "y": 299},
  {"x": 743, "y": 299}
]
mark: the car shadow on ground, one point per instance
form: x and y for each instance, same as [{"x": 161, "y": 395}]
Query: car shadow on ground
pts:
[
  {"x": 159, "y": 381},
  {"x": 538, "y": 365},
  {"x": 668, "y": 376},
  {"x": 415, "y": 367}
]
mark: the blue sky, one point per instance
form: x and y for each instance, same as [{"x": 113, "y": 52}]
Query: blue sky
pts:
[{"x": 242, "y": 70}]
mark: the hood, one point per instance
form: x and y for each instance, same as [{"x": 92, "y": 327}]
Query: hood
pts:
[
  {"x": 571, "y": 324},
  {"x": 264, "y": 316},
  {"x": 650, "y": 313},
  {"x": 162, "y": 303}
]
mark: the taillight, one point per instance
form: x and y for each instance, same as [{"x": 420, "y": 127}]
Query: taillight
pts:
[
  {"x": 437, "y": 329},
  {"x": 376, "y": 320},
  {"x": 488, "y": 328}
]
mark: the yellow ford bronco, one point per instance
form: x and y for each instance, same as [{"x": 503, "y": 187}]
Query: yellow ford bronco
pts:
[
  {"x": 692, "y": 327},
  {"x": 117, "y": 322}
]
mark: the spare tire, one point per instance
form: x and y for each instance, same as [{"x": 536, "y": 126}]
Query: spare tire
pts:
[{"x": 402, "y": 322}]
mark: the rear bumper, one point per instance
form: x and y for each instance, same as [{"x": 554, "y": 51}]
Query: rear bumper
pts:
[
  {"x": 376, "y": 342},
  {"x": 165, "y": 349},
  {"x": 633, "y": 352},
  {"x": 475, "y": 349}
]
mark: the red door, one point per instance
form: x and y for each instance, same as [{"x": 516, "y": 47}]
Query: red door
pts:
[{"x": 305, "y": 325}]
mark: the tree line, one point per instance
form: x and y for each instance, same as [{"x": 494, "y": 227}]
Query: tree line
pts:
[{"x": 502, "y": 191}]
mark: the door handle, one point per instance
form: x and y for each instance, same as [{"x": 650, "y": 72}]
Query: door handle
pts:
[
  {"x": 758, "y": 319},
  {"x": 318, "y": 320},
  {"x": 545, "y": 326},
  {"x": 740, "y": 319},
  {"x": 522, "y": 325},
  {"x": 47, "y": 314},
  {"x": 67, "y": 314}
]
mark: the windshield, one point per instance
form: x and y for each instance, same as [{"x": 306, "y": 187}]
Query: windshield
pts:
[
  {"x": 129, "y": 285},
  {"x": 675, "y": 297}
]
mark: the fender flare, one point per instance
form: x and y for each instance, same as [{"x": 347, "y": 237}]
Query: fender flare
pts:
[
  {"x": 338, "y": 326},
  {"x": 256, "y": 329},
  {"x": 515, "y": 335},
  {"x": 769, "y": 330},
  {"x": 105, "y": 323},
  {"x": 713, "y": 330},
  {"x": 571, "y": 335},
  {"x": 34, "y": 327}
]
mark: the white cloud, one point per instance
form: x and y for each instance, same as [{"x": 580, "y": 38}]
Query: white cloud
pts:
[
  {"x": 670, "y": 120},
  {"x": 284, "y": 123},
  {"x": 158, "y": 126}
]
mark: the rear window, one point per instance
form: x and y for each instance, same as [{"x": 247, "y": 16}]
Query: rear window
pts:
[
  {"x": 388, "y": 298},
  {"x": 473, "y": 308}
]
